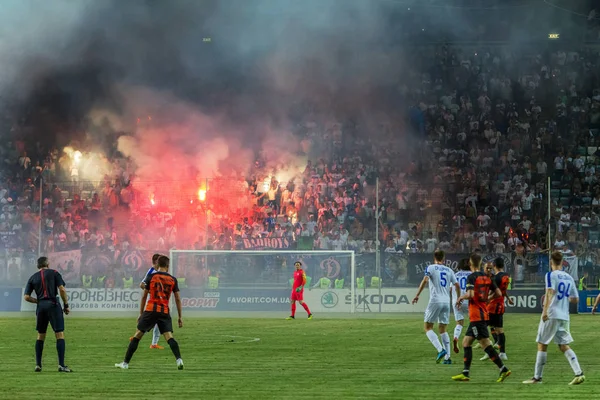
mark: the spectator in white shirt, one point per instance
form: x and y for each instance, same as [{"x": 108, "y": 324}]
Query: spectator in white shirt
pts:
[
  {"x": 565, "y": 220},
  {"x": 499, "y": 247},
  {"x": 527, "y": 203},
  {"x": 559, "y": 243},
  {"x": 483, "y": 220},
  {"x": 431, "y": 243},
  {"x": 579, "y": 164},
  {"x": 525, "y": 223}
]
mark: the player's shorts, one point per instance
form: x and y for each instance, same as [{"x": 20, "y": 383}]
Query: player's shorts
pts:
[
  {"x": 437, "y": 313},
  {"x": 478, "y": 329},
  {"x": 556, "y": 329},
  {"x": 297, "y": 296},
  {"x": 496, "y": 320},
  {"x": 460, "y": 313},
  {"x": 49, "y": 312},
  {"x": 149, "y": 319}
]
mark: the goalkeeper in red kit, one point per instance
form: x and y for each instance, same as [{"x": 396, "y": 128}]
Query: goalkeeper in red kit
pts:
[{"x": 298, "y": 290}]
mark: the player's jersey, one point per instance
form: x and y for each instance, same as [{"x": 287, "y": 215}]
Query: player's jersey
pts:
[
  {"x": 160, "y": 285},
  {"x": 564, "y": 287},
  {"x": 150, "y": 272},
  {"x": 299, "y": 278},
  {"x": 441, "y": 281},
  {"x": 481, "y": 285},
  {"x": 461, "y": 278},
  {"x": 496, "y": 306}
]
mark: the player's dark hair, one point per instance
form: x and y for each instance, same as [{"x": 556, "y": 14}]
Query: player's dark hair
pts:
[
  {"x": 298, "y": 262},
  {"x": 463, "y": 265},
  {"x": 163, "y": 262},
  {"x": 499, "y": 263},
  {"x": 155, "y": 258},
  {"x": 556, "y": 258},
  {"x": 439, "y": 255},
  {"x": 42, "y": 262},
  {"x": 475, "y": 259}
]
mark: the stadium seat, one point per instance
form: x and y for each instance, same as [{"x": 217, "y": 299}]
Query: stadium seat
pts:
[{"x": 565, "y": 193}]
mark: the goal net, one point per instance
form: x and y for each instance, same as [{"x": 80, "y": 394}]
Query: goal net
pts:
[{"x": 253, "y": 280}]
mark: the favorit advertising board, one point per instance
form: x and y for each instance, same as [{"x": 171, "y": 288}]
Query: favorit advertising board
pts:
[
  {"x": 277, "y": 300},
  {"x": 369, "y": 300},
  {"x": 99, "y": 300}
]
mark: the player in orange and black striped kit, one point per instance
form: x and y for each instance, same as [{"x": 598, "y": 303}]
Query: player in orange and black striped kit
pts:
[
  {"x": 159, "y": 286},
  {"x": 479, "y": 286},
  {"x": 496, "y": 308}
]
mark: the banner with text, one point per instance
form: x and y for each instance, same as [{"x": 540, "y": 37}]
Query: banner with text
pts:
[
  {"x": 367, "y": 300},
  {"x": 264, "y": 244},
  {"x": 99, "y": 300},
  {"x": 276, "y": 300}
]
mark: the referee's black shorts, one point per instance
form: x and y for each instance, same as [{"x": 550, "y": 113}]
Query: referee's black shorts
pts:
[
  {"x": 150, "y": 318},
  {"x": 49, "y": 312}
]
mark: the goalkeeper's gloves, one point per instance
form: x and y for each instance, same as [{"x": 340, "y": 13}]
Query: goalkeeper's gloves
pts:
[{"x": 298, "y": 289}]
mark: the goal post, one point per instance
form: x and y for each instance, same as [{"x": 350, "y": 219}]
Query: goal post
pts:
[{"x": 261, "y": 280}]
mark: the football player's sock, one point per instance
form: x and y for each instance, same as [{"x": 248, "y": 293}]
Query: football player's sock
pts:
[
  {"x": 495, "y": 336},
  {"x": 540, "y": 361},
  {"x": 306, "y": 308},
  {"x": 570, "y": 354},
  {"x": 155, "y": 336},
  {"x": 60, "y": 349},
  {"x": 446, "y": 343},
  {"x": 502, "y": 342},
  {"x": 490, "y": 351},
  {"x": 457, "y": 331},
  {"x": 434, "y": 340},
  {"x": 293, "y": 309},
  {"x": 174, "y": 348},
  {"x": 39, "y": 349},
  {"x": 468, "y": 357},
  {"x": 133, "y": 345}
]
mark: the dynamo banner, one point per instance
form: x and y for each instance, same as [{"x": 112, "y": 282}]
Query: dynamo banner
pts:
[{"x": 99, "y": 300}]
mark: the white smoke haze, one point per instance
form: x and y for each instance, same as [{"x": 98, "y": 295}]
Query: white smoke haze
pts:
[{"x": 123, "y": 60}]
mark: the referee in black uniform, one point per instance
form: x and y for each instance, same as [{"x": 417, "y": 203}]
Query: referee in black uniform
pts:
[{"x": 47, "y": 284}]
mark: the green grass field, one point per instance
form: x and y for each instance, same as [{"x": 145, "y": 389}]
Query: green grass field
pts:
[{"x": 323, "y": 358}]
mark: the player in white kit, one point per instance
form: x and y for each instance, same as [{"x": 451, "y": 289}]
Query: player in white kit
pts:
[
  {"x": 441, "y": 280},
  {"x": 560, "y": 291},
  {"x": 464, "y": 270},
  {"x": 155, "y": 331}
]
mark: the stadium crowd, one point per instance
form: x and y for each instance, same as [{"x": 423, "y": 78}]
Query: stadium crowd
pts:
[{"x": 466, "y": 169}]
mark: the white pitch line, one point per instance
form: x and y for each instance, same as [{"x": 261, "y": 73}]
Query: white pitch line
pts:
[{"x": 244, "y": 337}]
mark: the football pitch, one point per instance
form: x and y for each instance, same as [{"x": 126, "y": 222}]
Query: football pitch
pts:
[{"x": 266, "y": 358}]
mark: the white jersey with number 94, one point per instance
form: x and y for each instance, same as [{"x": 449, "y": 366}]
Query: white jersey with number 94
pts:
[
  {"x": 441, "y": 282},
  {"x": 564, "y": 287}
]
